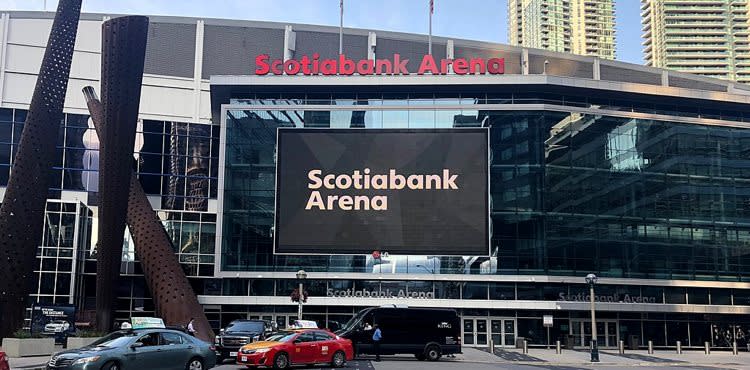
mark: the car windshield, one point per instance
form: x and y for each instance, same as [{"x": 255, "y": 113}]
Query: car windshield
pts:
[
  {"x": 253, "y": 326},
  {"x": 287, "y": 337},
  {"x": 283, "y": 336},
  {"x": 354, "y": 320},
  {"x": 116, "y": 339}
]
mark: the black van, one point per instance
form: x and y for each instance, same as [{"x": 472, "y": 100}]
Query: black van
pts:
[{"x": 428, "y": 333}]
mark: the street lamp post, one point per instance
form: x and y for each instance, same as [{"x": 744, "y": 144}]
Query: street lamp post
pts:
[
  {"x": 591, "y": 281},
  {"x": 301, "y": 275}
]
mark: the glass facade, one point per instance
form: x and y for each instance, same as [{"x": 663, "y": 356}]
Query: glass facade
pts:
[
  {"x": 571, "y": 192},
  {"x": 177, "y": 165}
]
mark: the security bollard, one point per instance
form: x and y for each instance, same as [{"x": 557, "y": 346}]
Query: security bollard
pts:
[
  {"x": 492, "y": 346},
  {"x": 525, "y": 346},
  {"x": 679, "y": 347},
  {"x": 622, "y": 347},
  {"x": 734, "y": 348},
  {"x": 650, "y": 347},
  {"x": 558, "y": 347},
  {"x": 706, "y": 348}
]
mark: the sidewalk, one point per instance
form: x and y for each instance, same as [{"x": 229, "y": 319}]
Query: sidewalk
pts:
[
  {"x": 630, "y": 358},
  {"x": 29, "y": 363}
]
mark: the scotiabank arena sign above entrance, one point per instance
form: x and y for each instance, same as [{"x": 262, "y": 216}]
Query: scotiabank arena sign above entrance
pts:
[{"x": 313, "y": 66}]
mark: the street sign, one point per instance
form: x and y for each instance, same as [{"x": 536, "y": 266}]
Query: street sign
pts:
[{"x": 547, "y": 320}]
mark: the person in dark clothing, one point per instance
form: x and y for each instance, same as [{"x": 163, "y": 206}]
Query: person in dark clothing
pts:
[{"x": 377, "y": 336}]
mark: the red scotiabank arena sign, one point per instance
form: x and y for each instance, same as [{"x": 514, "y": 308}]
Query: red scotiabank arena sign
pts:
[{"x": 313, "y": 66}]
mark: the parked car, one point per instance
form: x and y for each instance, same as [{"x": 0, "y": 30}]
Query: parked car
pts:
[
  {"x": 4, "y": 365},
  {"x": 428, "y": 333},
  {"x": 139, "y": 349},
  {"x": 56, "y": 326},
  {"x": 239, "y": 333},
  {"x": 298, "y": 347}
]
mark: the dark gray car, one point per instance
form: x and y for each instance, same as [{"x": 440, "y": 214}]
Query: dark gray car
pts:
[{"x": 153, "y": 349}]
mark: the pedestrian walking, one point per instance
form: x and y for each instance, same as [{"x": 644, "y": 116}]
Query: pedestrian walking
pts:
[
  {"x": 377, "y": 336},
  {"x": 190, "y": 327}
]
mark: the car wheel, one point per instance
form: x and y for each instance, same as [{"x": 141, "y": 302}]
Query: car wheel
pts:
[
  {"x": 195, "y": 363},
  {"x": 111, "y": 366},
  {"x": 420, "y": 356},
  {"x": 338, "y": 359},
  {"x": 432, "y": 352},
  {"x": 281, "y": 361}
]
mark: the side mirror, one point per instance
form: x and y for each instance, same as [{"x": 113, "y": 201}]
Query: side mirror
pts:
[
  {"x": 297, "y": 341},
  {"x": 221, "y": 331},
  {"x": 136, "y": 345}
]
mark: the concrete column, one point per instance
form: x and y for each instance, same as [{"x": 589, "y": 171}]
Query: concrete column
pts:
[
  {"x": 4, "y": 22},
  {"x": 290, "y": 41},
  {"x": 372, "y": 41},
  {"x": 525, "y": 61},
  {"x": 198, "y": 69},
  {"x": 597, "y": 69},
  {"x": 449, "y": 54}
]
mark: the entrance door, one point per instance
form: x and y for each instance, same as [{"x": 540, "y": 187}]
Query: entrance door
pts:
[
  {"x": 477, "y": 331},
  {"x": 606, "y": 332}
]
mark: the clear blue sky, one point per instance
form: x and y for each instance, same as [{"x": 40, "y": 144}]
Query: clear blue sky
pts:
[{"x": 470, "y": 19}]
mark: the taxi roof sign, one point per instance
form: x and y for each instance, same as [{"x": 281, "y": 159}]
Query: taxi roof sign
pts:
[
  {"x": 147, "y": 323},
  {"x": 304, "y": 324}
]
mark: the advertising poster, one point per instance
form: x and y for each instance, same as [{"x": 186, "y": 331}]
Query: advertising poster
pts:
[
  {"x": 58, "y": 320},
  {"x": 405, "y": 191}
]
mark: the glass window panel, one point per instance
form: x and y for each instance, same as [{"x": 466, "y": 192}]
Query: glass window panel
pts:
[
  {"x": 395, "y": 119},
  {"x": 6, "y": 131},
  {"x": 474, "y": 290},
  {"x": 63, "y": 284},
  {"x": 345, "y": 119},
  {"x": 421, "y": 119},
  {"x": 721, "y": 296},
  {"x": 502, "y": 291},
  {"x": 697, "y": 295},
  {"x": 674, "y": 295}
]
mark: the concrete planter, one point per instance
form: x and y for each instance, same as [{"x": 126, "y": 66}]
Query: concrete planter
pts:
[
  {"x": 16, "y": 347},
  {"x": 78, "y": 342}
]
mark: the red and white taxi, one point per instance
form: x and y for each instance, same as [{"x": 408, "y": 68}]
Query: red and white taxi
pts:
[{"x": 299, "y": 347}]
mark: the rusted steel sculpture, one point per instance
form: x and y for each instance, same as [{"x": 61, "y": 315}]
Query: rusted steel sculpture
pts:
[
  {"x": 123, "y": 53},
  {"x": 173, "y": 296},
  {"x": 22, "y": 211}
]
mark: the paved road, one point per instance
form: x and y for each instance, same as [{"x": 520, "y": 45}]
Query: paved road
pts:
[
  {"x": 536, "y": 359},
  {"x": 404, "y": 362},
  {"x": 351, "y": 365}
]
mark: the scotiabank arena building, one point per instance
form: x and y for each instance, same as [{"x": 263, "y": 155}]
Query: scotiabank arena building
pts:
[{"x": 487, "y": 178}]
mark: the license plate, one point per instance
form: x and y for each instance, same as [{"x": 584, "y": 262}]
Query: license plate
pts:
[
  {"x": 244, "y": 358},
  {"x": 232, "y": 354}
]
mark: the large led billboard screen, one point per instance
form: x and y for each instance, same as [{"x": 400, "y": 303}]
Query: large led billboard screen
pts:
[{"x": 404, "y": 191}]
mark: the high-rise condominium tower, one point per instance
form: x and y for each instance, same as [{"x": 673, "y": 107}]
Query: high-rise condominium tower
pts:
[
  {"x": 707, "y": 37},
  {"x": 585, "y": 27}
]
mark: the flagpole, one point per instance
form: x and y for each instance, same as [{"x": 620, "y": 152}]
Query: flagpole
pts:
[
  {"x": 341, "y": 27},
  {"x": 429, "y": 40}
]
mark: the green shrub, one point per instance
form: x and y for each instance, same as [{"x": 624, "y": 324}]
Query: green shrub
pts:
[
  {"x": 26, "y": 334},
  {"x": 89, "y": 334}
]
